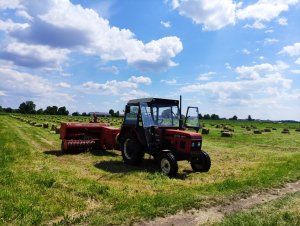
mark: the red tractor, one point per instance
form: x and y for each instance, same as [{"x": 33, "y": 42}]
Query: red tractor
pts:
[{"x": 151, "y": 125}]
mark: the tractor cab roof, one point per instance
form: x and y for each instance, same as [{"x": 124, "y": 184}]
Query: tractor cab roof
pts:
[{"x": 154, "y": 101}]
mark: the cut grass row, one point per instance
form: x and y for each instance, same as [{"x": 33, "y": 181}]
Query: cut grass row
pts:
[
  {"x": 38, "y": 185},
  {"x": 284, "y": 211}
]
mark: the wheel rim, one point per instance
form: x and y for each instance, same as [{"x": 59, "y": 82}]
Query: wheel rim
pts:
[
  {"x": 165, "y": 166},
  {"x": 127, "y": 151}
]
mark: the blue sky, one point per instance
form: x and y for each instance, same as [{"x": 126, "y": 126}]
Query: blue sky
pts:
[{"x": 227, "y": 57}]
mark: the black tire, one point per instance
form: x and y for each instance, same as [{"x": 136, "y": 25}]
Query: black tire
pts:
[
  {"x": 202, "y": 163},
  {"x": 168, "y": 164},
  {"x": 132, "y": 152}
]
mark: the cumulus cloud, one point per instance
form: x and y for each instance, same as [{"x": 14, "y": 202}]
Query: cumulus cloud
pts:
[
  {"x": 16, "y": 85},
  {"x": 270, "y": 41},
  {"x": 246, "y": 51},
  {"x": 292, "y": 50},
  {"x": 265, "y": 10},
  {"x": 62, "y": 25},
  {"x": 256, "y": 25},
  {"x": 2, "y": 93},
  {"x": 297, "y": 61},
  {"x": 206, "y": 76},
  {"x": 140, "y": 79},
  {"x": 213, "y": 14},
  {"x": 166, "y": 24},
  {"x": 124, "y": 89},
  {"x": 265, "y": 85},
  {"x": 169, "y": 82},
  {"x": 33, "y": 55},
  {"x": 254, "y": 72},
  {"x": 216, "y": 14},
  {"x": 64, "y": 85},
  {"x": 113, "y": 69},
  {"x": 282, "y": 21}
]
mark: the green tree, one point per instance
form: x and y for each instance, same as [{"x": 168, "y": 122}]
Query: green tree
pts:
[
  {"x": 234, "y": 118},
  {"x": 84, "y": 114},
  {"x": 249, "y": 118},
  {"x": 111, "y": 112},
  {"x": 215, "y": 117},
  {"x": 76, "y": 113},
  {"x": 62, "y": 111},
  {"x": 27, "y": 107},
  {"x": 207, "y": 116},
  {"x": 40, "y": 111}
]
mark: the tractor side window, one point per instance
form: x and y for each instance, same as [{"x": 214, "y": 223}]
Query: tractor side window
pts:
[
  {"x": 132, "y": 116},
  {"x": 192, "y": 118},
  {"x": 146, "y": 114}
]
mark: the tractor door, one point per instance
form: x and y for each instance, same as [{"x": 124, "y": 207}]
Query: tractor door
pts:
[
  {"x": 192, "y": 118},
  {"x": 148, "y": 125}
]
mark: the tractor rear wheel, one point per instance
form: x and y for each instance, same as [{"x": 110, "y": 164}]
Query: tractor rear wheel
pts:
[
  {"x": 201, "y": 163},
  {"x": 168, "y": 164},
  {"x": 132, "y": 152}
]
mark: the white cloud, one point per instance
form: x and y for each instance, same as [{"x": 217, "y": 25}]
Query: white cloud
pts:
[
  {"x": 297, "y": 72},
  {"x": 213, "y": 14},
  {"x": 246, "y": 51},
  {"x": 24, "y": 14},
  {"x": 266, "y": 87},
  {"x": 265, "y": 10},
  {"x": 2, "y": 93},
  {"x": 256, "y": 25},
  {"x": 254, "y": 72},
  {"x": 169, "y": 82},
  {"x": 282, "y": 21},
  {"x": 112, "y": 87},
  {"x": 23, "y": 83},
  {"x": 33, "y": 55},
  {"x": 140, "y": 79},
  {"x": 270, "y": 41},
  {"x": 292, "y": 50},
  {"x": 261, "y": 57},
  {"x": 64, "y": 85},
  {"x": 206, "y": 76},
  {"x": 113, "y": 69},
  {"x": 166, "y": 24},
  {"x": 62, "y": 25},
  {"x": 297, "y": 61},
  {"x": 10, "y": 4},
  {"x": 10, "y": 26},
  {"x": 21, "y": 86},
  {"x": 133, "y": 94},
  {"x": 126, "y": 90},
  {"x": 227, "y": 65}
]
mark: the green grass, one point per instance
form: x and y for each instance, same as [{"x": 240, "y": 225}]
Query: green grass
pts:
[
  {"x": 39, "y": 185},
  {"x": 284, "y": 211}
]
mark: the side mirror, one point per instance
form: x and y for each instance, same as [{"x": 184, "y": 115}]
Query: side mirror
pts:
[{"x": 127, "y": 109}]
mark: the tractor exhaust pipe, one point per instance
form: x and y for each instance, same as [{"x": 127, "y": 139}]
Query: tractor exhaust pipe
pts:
[{"x": 180, "y": 115}]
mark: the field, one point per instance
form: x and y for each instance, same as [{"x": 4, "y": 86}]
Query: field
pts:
[{"x": 39, "y": 185}]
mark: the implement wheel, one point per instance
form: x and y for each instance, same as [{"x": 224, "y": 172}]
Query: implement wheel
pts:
[
  {"x": 132, "y": 152},
  {"x": 201, "y": 163},
  {"x": 168, "y": 164}
]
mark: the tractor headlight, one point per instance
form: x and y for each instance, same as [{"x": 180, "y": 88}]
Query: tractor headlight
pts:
[
  {"x": 193, "y": 144},
  {"x": 199, "y": 144}
]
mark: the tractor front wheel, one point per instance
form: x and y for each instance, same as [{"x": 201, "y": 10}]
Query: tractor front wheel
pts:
[
  {"x": 201, "y": 163},
  {"x": 168, "y": 164},
  {"x": 132, "y": 152}
]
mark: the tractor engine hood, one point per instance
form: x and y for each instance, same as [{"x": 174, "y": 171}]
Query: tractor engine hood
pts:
[{"x": 183, "y": 134}]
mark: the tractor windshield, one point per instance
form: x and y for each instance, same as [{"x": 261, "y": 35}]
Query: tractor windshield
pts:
[{"x": 159, "y": 115}]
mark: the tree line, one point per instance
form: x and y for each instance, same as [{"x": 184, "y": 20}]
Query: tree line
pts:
[{"x": 28, "y": 107}]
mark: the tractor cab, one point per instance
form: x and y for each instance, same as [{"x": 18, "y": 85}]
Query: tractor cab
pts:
[{"x": 156, "y": 126}]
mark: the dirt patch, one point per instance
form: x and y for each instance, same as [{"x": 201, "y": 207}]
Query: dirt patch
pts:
[{"x": 216, "y": 213}]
